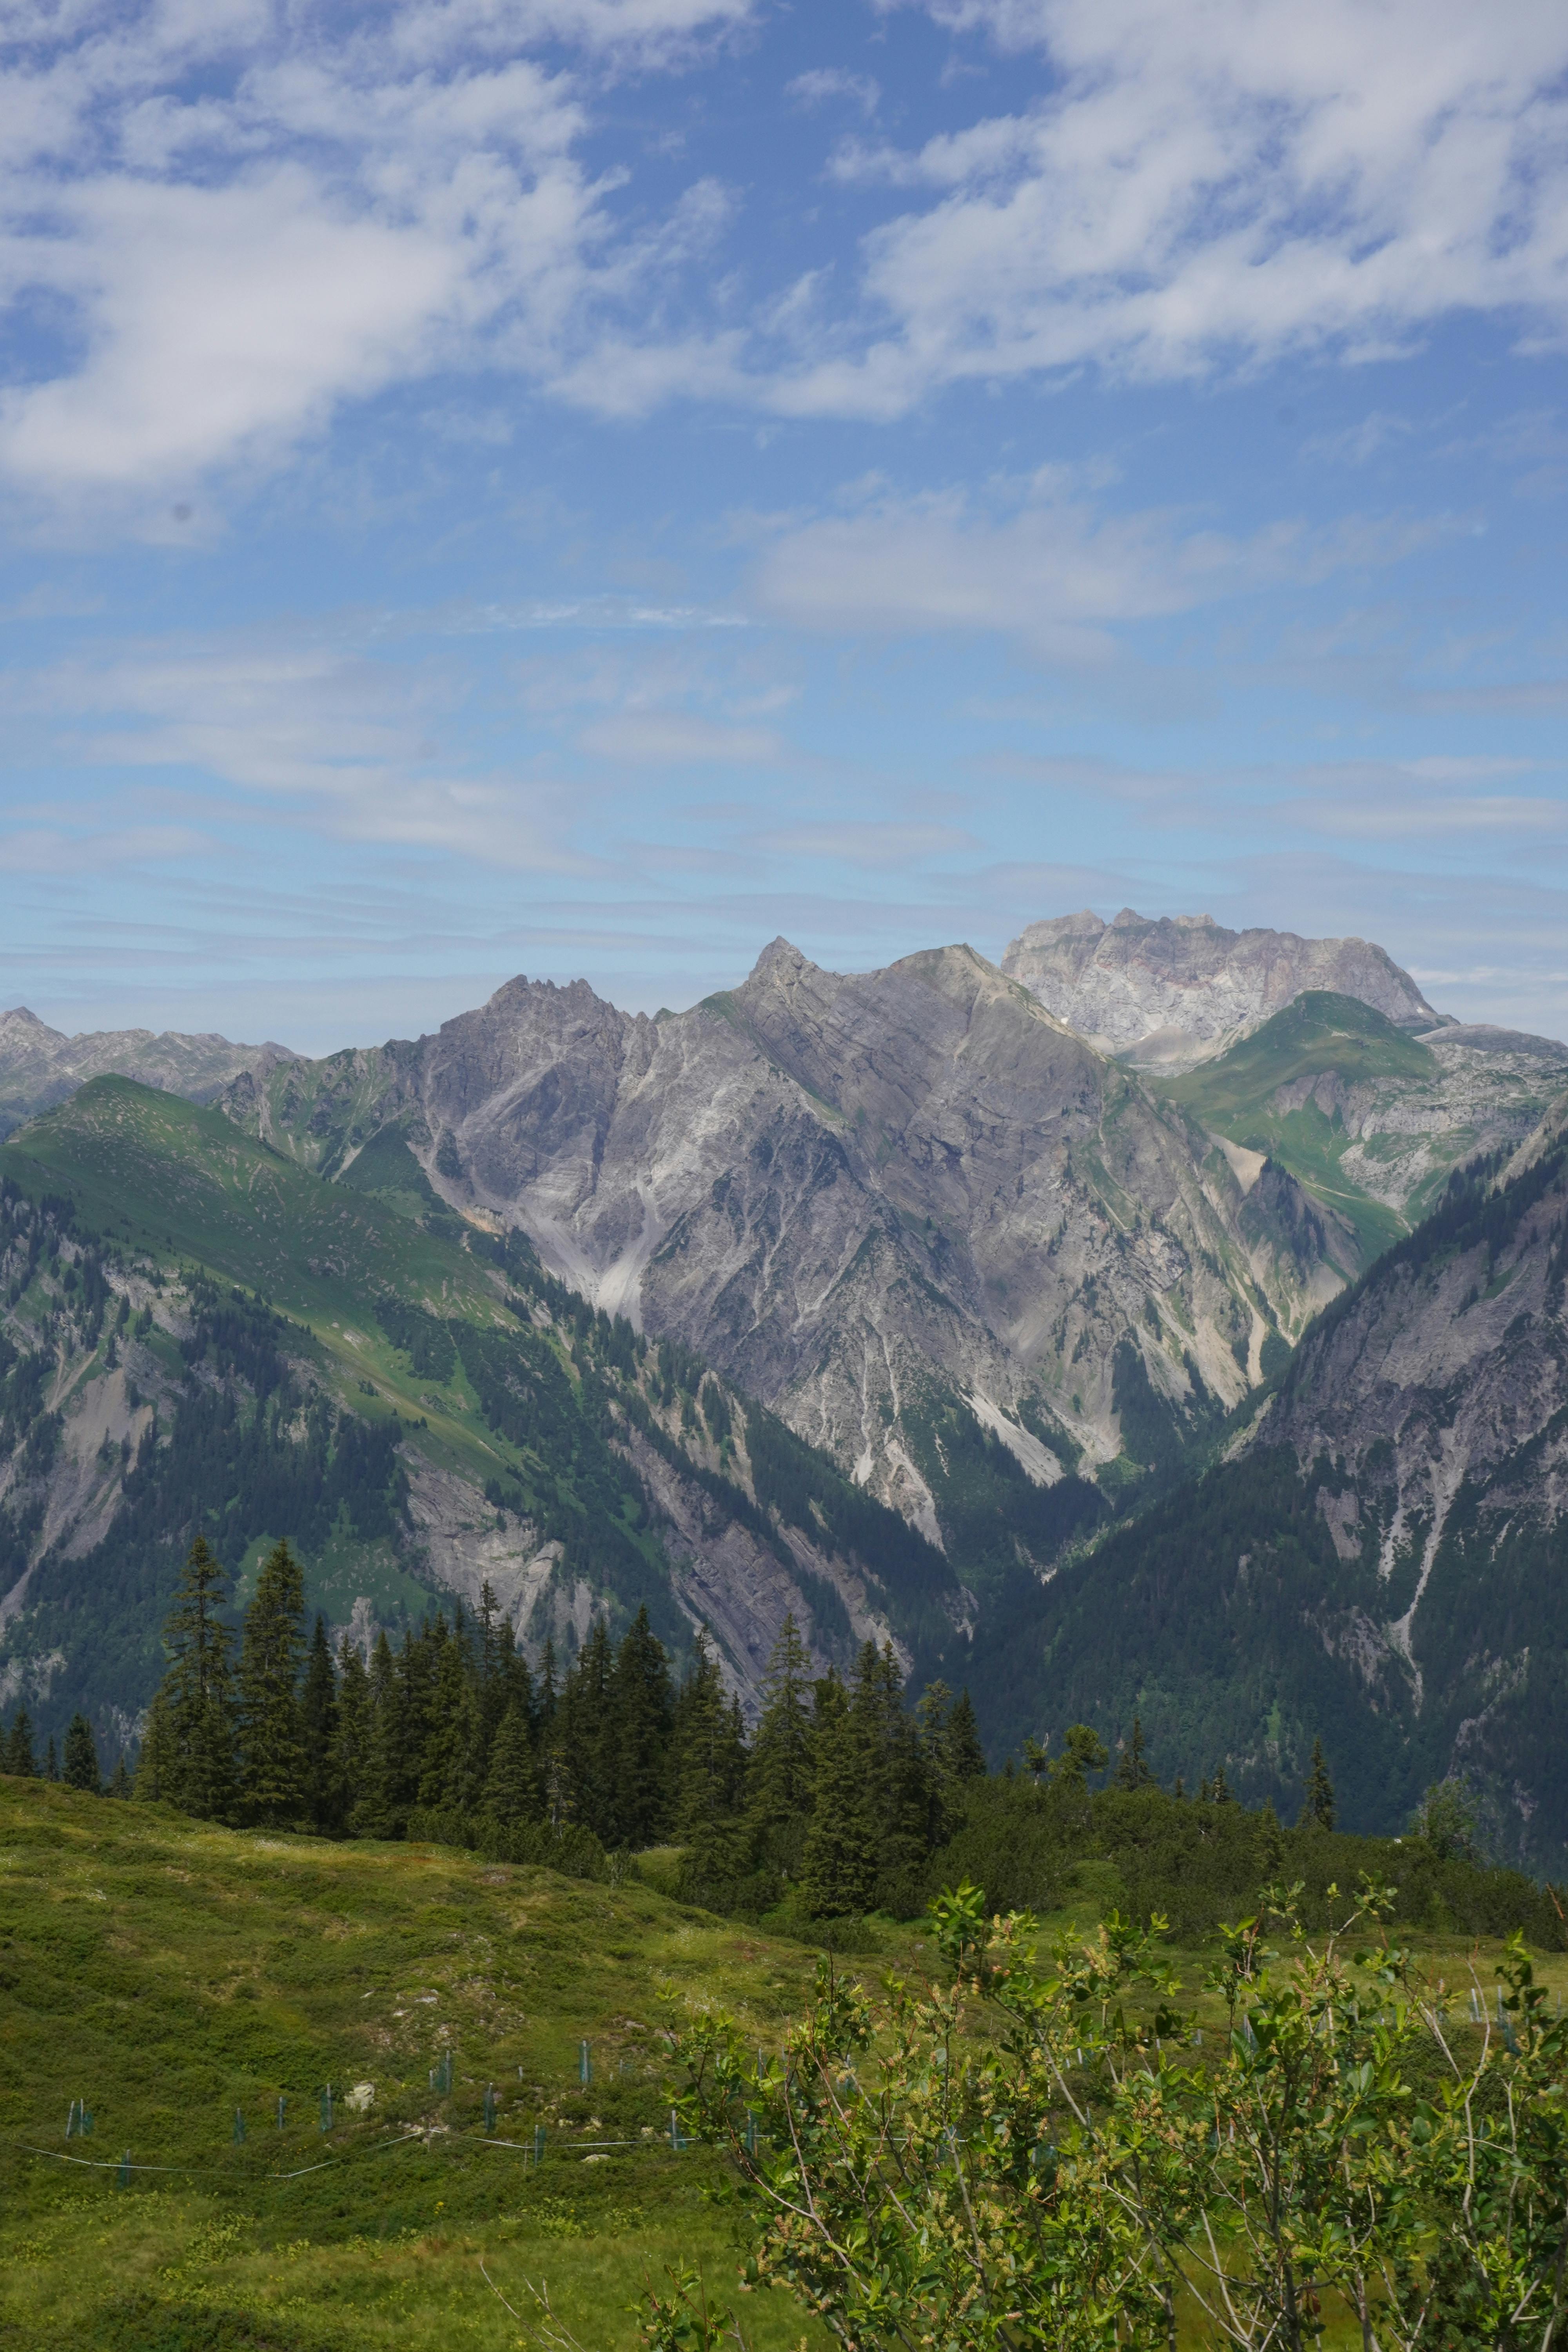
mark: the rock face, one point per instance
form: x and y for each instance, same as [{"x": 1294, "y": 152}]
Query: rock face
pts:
[
  {"x": 40, "y": 1067},
  {"x": 868, "y": 1199},
  {"x": 1168, "y": 993},
  {"x": 1379, "y": 1563}
]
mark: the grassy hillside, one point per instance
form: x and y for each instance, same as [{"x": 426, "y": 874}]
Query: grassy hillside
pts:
[
  {"x": 1321, "y": 1035},
  {"x": 168, "y": 1974},
  {"x": 197, "y": 1334}
]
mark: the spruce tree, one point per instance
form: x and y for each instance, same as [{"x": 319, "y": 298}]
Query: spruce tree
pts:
[
  {"x": 1132, "y": 1771},
  {"x": 272, "y": 1773},
  {"x": 51, "y": 1761},
  {"x": 319, "y": 1726},
  {"x": 1318, "y": 1803},
  {"x": 839, "y": 1865},
  {"x": 19, "y": 1758},
  {"x": 965, "y": 1756},
  {"x": 350, "y": 1732},
  {"x": 446, "y": 1764},
  {"x": 80, "y": 1767},
  {"x": 377, "y": 1812},
  {"x": 778, "y": 1779},
  {"x": 158, "y": 1764},
  {"x": 198, "y": 1771},
  {"x": 120, "y": 1786},
  {"x": 642, "y": 1716},
  {"x": 511, "y": 1790},
  {"x": 709, "y": 1763}
]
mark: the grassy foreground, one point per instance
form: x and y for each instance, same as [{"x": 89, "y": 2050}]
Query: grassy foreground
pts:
[{"x": 168, "y": 1973}]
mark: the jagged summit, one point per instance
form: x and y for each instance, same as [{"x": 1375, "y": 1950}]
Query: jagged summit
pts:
[
  {"x": 40, "y": 1067},
  {"x": 1171, "y": 991}
]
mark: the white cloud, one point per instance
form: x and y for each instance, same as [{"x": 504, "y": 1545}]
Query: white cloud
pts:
[
  {"x": 823, "y": 84},
  {"x": 1217, "y": 185},
  {"x": 241, "y": 220},
  {"x": 1047, "y": 569},
  {"x": 306, "y": 732},
  {"x": 672, "y": 737}
]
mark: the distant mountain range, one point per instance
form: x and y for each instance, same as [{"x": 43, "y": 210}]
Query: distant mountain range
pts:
[
  {"x": 40, "y": 1067},
  {"x": 1004, "y": 1287}
]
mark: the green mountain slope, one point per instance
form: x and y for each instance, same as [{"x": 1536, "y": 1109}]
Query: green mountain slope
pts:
[
  {"x": 1380, "y": 1565},
  {"x": 200, "y": 1336},
  {"x": 1369, "y": 1120}
]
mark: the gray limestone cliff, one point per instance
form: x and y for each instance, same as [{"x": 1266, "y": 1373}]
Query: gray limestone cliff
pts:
[{"x": 1171, "y": 991}]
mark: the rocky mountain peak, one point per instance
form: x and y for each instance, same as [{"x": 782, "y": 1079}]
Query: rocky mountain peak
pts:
[{"x": 1170, "y": 990}]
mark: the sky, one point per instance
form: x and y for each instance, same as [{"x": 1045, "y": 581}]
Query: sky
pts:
[{"x": 583, "y": 487}]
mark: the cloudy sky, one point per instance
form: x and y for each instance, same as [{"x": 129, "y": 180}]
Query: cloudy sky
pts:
[{"x": 582, "y": 486}]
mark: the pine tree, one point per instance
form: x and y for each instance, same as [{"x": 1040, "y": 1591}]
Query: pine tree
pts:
[
  {"x": 1132, "y": 1771},
  {"x": 158, "y": 1764},
  {"x": 319, "y": 1727},
  {"x": 19, "y": 1758},
  {"x": 838, "y": 1865},
  {"x": 272, "y": 1776},
  {"x": 447, "y": 1765},
  {"x": 80, "y": 1768},
  {"x": 376, "y": 1809},
  {"x": 778, "y": 1781},
  {"x": 51, "y": 1762},
  {"x": 1219, "y": 1788},
  {"x": 1318, "y": 1803},
  {"x": 642, "y": 1716},
  {"x": 120, "y": 1786},
  {"x": 511, "y": 1790},
  {"x": 351, "y": 1732},
  {"x": 198, "y": 1771},
  {"x": 965, "y": 1756},
  {"x": 708, "y": 1765}
]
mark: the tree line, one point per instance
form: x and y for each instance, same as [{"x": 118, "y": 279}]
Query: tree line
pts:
[{"x": 839, "y": 1796}]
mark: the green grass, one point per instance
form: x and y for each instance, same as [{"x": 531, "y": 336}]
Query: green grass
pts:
[
  {"x": 1319, "y": 1034},
  {"x": 168, "y": 1972}
]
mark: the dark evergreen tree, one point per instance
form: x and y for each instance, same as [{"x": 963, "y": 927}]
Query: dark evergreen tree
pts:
[
  {"x": 318, "y": 1729},
  {"x": 158, "y": 1765},
  {"x": 51, "y": 1762},
  {"x": 642, "y": 1716},
  {"x": 353, "y": 1732},
  {"x": 965, "y": 1756},
  {"x": 838, "y": 1865},
  {"x": 708, "y": 1768},
  {"x": 273, "y": 1788},
  {"x": 447, "y": 1775},
  {"x": 19, "y": 1758},
  {"x": 1318, "y": 1803},
  {"x": 511, "y": 1790},
  {"x": 80, "y": 1768},
  {"x": 120, "y": 1785},
  {"x": 779, "y": 1776},
  {"x": 1132, "y": 1770},
  {"x": 198, "y": 1771},
  {"x": 377, "y": 1812}
]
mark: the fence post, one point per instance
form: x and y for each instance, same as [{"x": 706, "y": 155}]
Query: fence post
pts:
[
  {"x": 327, "y": 2108},
  {"x": 122, "y": 2177},
  {"x": 584, "y": 2065},
  {"x": 281, "y": 2105},
  {"x": 539, "y": 2143},
  {"x": 239, "y": 2126},
  {"x": 489, "y": 2106}
]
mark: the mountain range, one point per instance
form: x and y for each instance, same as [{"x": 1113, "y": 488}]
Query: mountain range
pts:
[{"x": 938, "y": 1304}]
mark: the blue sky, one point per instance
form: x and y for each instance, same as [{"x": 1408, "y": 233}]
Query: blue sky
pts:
[{"x": 581, "y": 486}]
